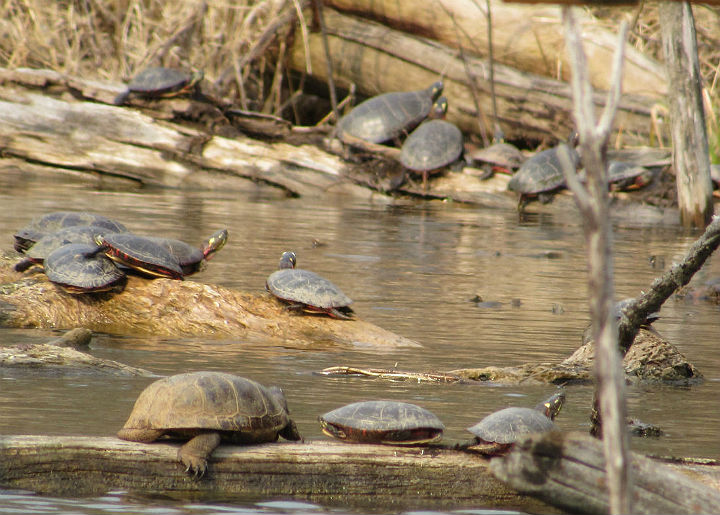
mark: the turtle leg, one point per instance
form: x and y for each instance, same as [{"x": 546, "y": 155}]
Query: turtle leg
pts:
[
  {"x": 194, "y": 453},
  {"x": 290, "y": 432},
  {"x": 146, "y": 435}
]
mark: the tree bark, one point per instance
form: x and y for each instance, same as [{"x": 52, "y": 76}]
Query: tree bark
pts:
[{"x": 691, "y": 160}]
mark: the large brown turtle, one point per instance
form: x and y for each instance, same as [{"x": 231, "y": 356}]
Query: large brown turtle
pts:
[{"x": 206, "y": 408}]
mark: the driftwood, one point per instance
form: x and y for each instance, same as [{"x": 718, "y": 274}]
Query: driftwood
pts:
[
  {"x": 567, "y": 470},
  {"x": 63, "y": 354},
  {"x": 525, "y": 37},
  {"x": 378, "y": 59},
  {"x": 322, "y": 471},
  {"x": 164, "y": 307}
]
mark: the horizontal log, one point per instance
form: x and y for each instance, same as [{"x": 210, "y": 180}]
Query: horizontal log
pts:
[
  {"x": 568, "y": 471},
  {"x": 327, "y": 472}
]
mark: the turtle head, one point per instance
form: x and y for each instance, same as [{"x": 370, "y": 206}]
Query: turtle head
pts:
[
  {"x": 288, "y": 260},
  {"x": 439, "y": 108},
  {"x": 552, "y": 406},
  {"x": 436, "y": 89},
  {"x": 214, "y": 243}
]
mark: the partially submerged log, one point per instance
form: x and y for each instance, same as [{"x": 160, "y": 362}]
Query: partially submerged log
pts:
[
  {"x": 327, "y": 472},
  {"x": 164, "y": 307},
  {"x": 568, "y": 471}
]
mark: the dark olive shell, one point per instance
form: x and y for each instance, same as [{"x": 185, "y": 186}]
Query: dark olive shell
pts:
[
  {"x": 542, "y": 172},
  {"x": 159, "y": 80},
  {"x": 387, "y": 116},
  {"x": 501, "y": 154},
  {"x": 191, "y": 258},
  {"x": 142, "y": 254},
  {"x": 212, "y": 400},
  {"x": 434, "y": 144},
  {"x": 509, "y": 424},
  {"x": 305, "y": 287},
  {"x": 53, "y": 222},
  {"x": 389, "y": 422},
  {"x": 80, "y": 268}
]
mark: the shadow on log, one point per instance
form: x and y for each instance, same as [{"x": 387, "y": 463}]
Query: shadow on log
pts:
[
  {"x": 321, "y": 471},
  {"x": 164, "y": 307},
  {"x": 568, "y": 471}
]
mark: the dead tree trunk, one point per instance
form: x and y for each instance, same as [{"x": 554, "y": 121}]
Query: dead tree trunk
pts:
[{"x": 687, "y": 117}]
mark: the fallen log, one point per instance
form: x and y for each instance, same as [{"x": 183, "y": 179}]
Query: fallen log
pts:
[
  {"x": 164, "y": 307},
  {"x": 379, "y": 59},
  {"x": 568, "y": 471},
  {"x": 321, "y": 471}
]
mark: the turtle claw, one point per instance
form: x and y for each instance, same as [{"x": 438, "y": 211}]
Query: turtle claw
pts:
[{"x": 194, "y": 466}]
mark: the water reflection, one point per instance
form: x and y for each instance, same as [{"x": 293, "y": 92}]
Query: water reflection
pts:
[{"x": 412, "y": 268}]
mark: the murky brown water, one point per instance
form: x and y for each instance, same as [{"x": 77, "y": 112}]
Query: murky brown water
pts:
[{"x": 411, "y": 268}]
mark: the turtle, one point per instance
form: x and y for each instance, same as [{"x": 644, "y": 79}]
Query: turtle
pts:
[
  {"x": 385, "y": 117},
  {"x": 435, "y": 143},
  {"x": 500, "y": 157},
  {"x": 81, "y": 268},
  {"x": 191, "y": 259},
  {"x": 542, "y": 174},
  {"x": 624, "y": 176},
  {"x": 140, "y": 253},
  {"x": 496, "y": 433},
  {"x": 160, "y": 82},
  {"x": 36, "y": 254},
  {"x": 307, "y": 291},
  {"x": 51, "y": 222},
  {"x": 382, "y": 422},
  {"x": 206, "y": 408}
]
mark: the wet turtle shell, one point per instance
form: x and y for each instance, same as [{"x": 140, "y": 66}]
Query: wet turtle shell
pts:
[
  {"x": 192, "y": 258},
  {"x": 497, "y": 432},
  {"x": 208, "y": 407},
  {"x": 53, "y": 222},
  {"x": 140, "y": 253},
  {"x": 160, "y": 82},
  {"x": 501, "y": 156},
  {"x": 542, "y": 173},
  {"x": 81, "y": 268},
  {"x": 385, "y": 422},
  {"x": 434, "y": 144},
  {"x": 44, "y": 246},
  {"x": 387, "y": 116},
  {"x": 307, "y": 290}
]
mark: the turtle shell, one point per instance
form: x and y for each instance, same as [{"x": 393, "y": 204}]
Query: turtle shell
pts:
[
  {"x": 542, "y": 172},
  {"x": 53, "y": 222},
  {"x": 501, "y": 154},
  {"x": 44, "y": 246},
  {"x": 191, "y": 258},
  {"x": 627, "y": 176},
  {"x": 159, "y": 81},
  {"x": 81, "y": 268},
  {"x": 433, "y": 145},
  {"x": 142, "y": 254},
  {"x": 314, "y": 292},
  {"x": 188, "y": 403},
  {"x": 387, "y": 422},
  {"x": 387, "y": 116},
  {"x": 509, "y": 424}
]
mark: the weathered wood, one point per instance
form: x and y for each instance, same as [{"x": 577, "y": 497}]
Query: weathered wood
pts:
[
  {"x": 527, "y": 38},
  {"x": 380, "y": 59},
  {"x": 567, "y": 470},
  {"x": 322, "y": 471},
  {"x": 164, "y": 307},
  {"x": 691, "y": 160}
]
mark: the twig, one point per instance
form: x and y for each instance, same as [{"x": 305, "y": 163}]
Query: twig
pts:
[{"x": 328, "y": 59}]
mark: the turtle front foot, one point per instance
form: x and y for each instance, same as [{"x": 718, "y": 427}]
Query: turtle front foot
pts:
[
  {"x": 195, "y": 466},
  {"x": 194, "y": 453}
]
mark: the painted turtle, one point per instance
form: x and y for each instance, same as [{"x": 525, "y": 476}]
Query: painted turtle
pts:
[
  {"x": 623, "y": 176},
  {"x": 307, "y": 290},
  {"x": 191, "y": 259},
  {"x": 160, "y": 82},
  {"x": 542, "y": 174},
  {"x": 434, "y": 145},
  {"x": 81, "y": 268},
  {"x": 496, "y": 433},
  {"x": 384, "y": 422},
  {"x": 499, "y": 157},
  {"x": 387, "y": 116},
  {"x": 206, "y": 408},
  {"x": 140, "y": 253},
  {"x": 36, "y": 254},
  {"x": 55, "y": 221}
]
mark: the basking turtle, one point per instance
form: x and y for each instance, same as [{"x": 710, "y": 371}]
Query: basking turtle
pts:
[
  {"x": 307, "y": 291},
  {"x": 496, "y": 433},
  {"x": 55, "y": 221},
  {"x": 191, "y": 259},
  {"x": 81, "y": 268},
  {"x": 384, "y": 422},
  {"x": 624, "y": 176},
  {"x": 140, "y": 253},
  {"x": 542, "y": 174},
  {"x": 387, "y": 116},
  {"x": 160, "y": 82},
  {"x": 207, "y": 408},
  {"x": 500, "y": 157},
  {"x": 36, "y": 254},
  {"x": 435, "y": 144}
]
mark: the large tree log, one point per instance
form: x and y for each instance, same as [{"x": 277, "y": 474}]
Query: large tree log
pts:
[
  {"x": 322, "y": 471},
  {"x": 380, "y": 59},
  {"x": 525, "y": 37},
  {"x": 568, "y": 471},
  {"x": 163, "y": 307}
]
